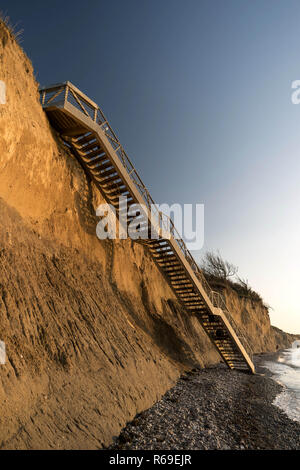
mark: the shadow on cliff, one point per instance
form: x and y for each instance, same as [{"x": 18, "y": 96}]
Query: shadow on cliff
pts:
[{"x": 160, "y": 326}]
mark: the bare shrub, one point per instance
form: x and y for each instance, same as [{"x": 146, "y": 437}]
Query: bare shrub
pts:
[
  {"x": 214, "y": 265},
  {"x": 216, "y": 269}
]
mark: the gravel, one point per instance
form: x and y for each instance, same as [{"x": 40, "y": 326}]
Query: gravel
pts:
[{"x": 214, "y": 408}]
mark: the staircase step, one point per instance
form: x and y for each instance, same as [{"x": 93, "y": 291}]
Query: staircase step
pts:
[
  {"x": 85, "y": 139},
  {"x": 104, "y": 174},
  {"x": 91, "y": 146},
  {"x": 111, "y": 180},
  {"x": 95, "y": 162}
]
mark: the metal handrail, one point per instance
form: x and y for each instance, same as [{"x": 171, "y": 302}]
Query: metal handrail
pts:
[
  {"x": 219, "y": 302},
  {"x": 66, "y": 91}
]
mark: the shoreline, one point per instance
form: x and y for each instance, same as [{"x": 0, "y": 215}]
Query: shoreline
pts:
[{"x": 215, "y": 408}]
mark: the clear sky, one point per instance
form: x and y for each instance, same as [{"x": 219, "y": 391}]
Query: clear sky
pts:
[{"x": 199, "y": 93}]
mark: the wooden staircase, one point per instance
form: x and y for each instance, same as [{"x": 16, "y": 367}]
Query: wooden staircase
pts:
[{"x": 87, "y": 133}]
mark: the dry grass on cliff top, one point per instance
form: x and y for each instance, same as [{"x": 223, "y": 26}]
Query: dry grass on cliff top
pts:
[
  {"x": 221, "y": 274},
  {"x": 13, "y": 30}
]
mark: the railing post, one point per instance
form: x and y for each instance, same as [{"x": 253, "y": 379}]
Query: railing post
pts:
[
  {"x": 95, "y": 114},
  {"x": 66, "y": 94}
]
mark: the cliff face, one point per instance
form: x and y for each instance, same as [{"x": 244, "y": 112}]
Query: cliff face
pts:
[
  {"x": 93, "y": 333},
  {"x": 253, "y": 321},
  {"x": 283, "y": 339}
]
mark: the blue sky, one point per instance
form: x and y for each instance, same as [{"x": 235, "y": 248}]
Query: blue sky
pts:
[{"x": 199, "y": 93}]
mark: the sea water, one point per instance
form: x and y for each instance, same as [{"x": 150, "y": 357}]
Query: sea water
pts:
[{"x": 286, "y": 370}]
